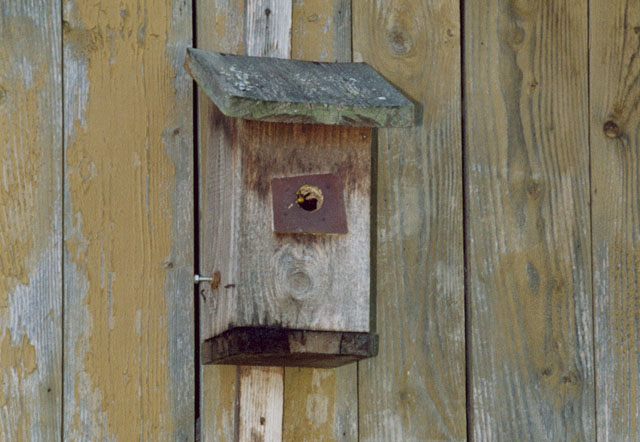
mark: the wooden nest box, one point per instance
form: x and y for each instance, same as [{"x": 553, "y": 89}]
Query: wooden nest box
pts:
[{"x": 291, "y": 213}]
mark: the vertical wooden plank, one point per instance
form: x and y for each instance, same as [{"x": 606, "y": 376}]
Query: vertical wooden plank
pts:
[
  {"x": 30, "y": 221},
  {"x": 128, "y": 221},
  {"x": 529, "y": 270},
  {"x": 267, "y": 33},
  {"x": 321, "y": 404},
  {"x": 220, "y": 27},
  {"x": 321, "y": 30},
  {"x": 260, "y": 404},
  {"x": 415, "y": 388},
  {"x": 268, "y": 28},
  {"x": 615, "y": 191}
]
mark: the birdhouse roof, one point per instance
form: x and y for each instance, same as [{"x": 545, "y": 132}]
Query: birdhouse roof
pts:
[{"x": 295, "y": 91}]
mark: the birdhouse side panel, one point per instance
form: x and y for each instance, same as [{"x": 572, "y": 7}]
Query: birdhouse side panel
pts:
[{"x": 222, "y": 191}]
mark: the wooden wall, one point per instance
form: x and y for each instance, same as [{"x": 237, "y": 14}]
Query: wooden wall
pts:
[{"x": 507, "y": 227}]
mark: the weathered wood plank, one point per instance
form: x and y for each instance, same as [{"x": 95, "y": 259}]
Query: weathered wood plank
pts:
[
  {"x": 220, "y": 27},
  {"x": 128, "y": 221},
  {"x": 528, "y": 247},
  {"x": 267, "y": 34},
  {"x": 268, "y": 346},
  {"x": 220, "y": 418},
  {"x": 321, "y": 30},
  {"x": 30, "y": 221},
  {"x": 415, "y": 388},
  {"x": 268, "y": 28},
  {"x": 615, "y": 192},
  {"x": 320, "y": 404},
  {"x": 292, "y": 281},
  {"x": 296, "y": 91},
  {"x": 260, "y": 404}
]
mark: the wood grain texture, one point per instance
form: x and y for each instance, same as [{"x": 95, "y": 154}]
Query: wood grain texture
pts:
[
  {"x": 321, "y": 404},
  {"x": 30, "y": 221},
  {"x": 415, "y": 388},
  {"x": 220, "y": 27},
  {"x": 321, "y": 30},
  {"x": 218, "y": 195},
  {"x": 260, "y": 404},
  {"x": 261, "y": 390},
  {"x": 529, "y": 269},
  {"x": 268, "y": 28},
  {"x": 128, "y": 266},
  {"x": 289, "y": 280},
  {"x": 297, "y": 91},
  {"x": 268, "y": 346},
  {"x": 615, "y": 191}
]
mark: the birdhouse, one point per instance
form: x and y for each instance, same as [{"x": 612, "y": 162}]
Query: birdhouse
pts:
[{"x": 291, "y": 279}]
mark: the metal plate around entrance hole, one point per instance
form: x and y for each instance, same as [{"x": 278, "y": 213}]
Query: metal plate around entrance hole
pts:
[{"x": 291, "y": 217}]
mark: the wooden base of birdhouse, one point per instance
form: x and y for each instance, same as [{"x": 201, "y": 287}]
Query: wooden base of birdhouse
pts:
[{"x": 269, "y": 346}]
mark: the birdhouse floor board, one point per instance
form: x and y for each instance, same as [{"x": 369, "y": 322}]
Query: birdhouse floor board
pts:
[
  {"x": 296, "y": 91},
  {"x": 269, "y": 346}
]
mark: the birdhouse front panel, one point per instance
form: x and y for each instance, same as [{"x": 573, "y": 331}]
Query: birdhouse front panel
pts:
[{"x": 304, "y": 279}]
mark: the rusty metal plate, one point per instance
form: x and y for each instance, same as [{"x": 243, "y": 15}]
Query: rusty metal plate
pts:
[{"x": 298, "y": 209}]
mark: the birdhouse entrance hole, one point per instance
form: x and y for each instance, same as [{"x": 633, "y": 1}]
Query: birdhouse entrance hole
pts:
[
  {"x": 309, "y": 204},
  {"x": 309, "y": 197}
]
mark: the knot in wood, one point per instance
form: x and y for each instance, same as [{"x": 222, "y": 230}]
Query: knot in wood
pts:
[
  {"x": 399, "y": 41},
  {"x": 611, "y": 129},
  {"x": 300, "y": 272}
]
